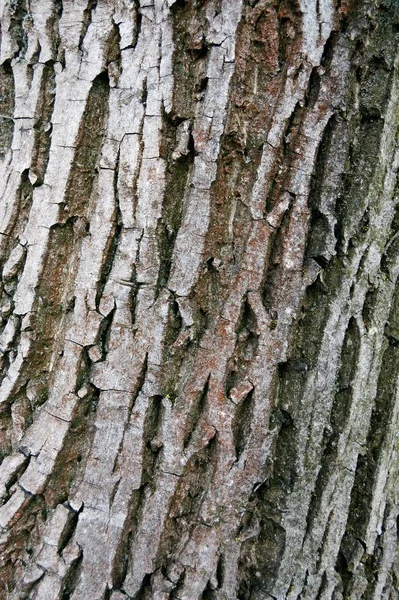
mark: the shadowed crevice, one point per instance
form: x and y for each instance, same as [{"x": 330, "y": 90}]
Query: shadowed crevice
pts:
[
  {"x": 368, "y": 464},
  {"x": 197, "y": 411},
  {"x": 43, "y": 127},
  {"x": 7, "y": 101},
  {"x": 88, "y": 144}
]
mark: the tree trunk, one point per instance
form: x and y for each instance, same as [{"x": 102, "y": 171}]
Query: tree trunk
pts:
[{"x": 199, "y": 302}]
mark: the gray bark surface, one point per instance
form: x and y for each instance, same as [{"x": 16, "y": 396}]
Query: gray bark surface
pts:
[{"x": 199, "y": 340}]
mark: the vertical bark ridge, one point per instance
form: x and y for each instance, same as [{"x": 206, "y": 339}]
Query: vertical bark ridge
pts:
[{"x": 199, "y": 262}]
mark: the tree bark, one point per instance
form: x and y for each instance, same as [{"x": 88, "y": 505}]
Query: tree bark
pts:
[{"x": 199, "y": 304}]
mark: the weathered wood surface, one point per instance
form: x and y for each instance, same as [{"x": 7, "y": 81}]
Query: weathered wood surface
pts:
[{"x": 199, "y": 302}]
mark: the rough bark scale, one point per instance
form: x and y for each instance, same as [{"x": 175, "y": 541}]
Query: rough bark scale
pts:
[{"x": 200, "y": 310}]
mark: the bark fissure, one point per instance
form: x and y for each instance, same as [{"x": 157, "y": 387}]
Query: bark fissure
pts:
[{"x": 199, "y": 300}]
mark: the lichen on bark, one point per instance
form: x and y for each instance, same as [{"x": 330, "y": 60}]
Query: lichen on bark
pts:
[{"x": 199, "y": 299}]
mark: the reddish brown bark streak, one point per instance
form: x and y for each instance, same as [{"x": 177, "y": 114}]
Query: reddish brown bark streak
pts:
[{"x": 198, "y": 306}]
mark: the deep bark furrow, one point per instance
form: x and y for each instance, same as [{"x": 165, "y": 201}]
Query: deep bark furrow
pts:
[{"x": 199, "y": 300}]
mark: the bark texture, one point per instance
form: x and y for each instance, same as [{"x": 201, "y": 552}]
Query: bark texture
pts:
[{"x": 199, "y": 259}]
